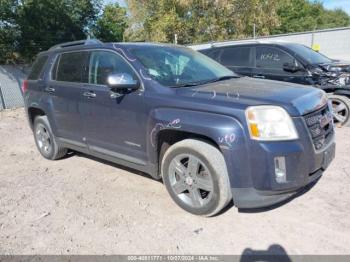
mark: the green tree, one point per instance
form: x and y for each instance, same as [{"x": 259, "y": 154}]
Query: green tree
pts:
[
  {"x": 30, "y": 26},
  {"x": 199, "y": 20},
  {"x": 110, "y": 27},
  {"x": 335, "y": 18},
  {"x": 9, "y": 31},
  {"x": 154, "y": 20},
  {"x": 44, "y": 23},
  {"x": 261, "y": 13},
  {"x": 303, "y": 15}
]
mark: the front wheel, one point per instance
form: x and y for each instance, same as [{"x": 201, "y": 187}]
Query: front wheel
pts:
[
  {"x": 341, "y": 110},
  {"x": 195, "y": 175}
]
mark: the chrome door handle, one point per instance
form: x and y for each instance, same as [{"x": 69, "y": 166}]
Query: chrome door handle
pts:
[
  {"x": 50, "y": 89},
  {"x": 89, "y": 94}
]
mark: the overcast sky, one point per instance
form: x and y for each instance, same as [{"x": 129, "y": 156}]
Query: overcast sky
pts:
[{"x": 329, "y": 4}]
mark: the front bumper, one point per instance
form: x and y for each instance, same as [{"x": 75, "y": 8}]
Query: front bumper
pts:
[
  {"x": 258, "y": 187},
  {"x": 252, "y": 198}
]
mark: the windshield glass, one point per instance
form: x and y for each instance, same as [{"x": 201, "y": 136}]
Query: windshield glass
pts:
[
  {"x": 179, "y": 66},
  {"x": 308, "y": 54}
]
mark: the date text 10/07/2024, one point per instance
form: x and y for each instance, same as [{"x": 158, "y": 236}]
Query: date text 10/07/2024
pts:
[{"x": 173, "y": 258}]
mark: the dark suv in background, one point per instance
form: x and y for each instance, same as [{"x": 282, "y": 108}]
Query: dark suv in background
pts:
[
  {"x": 178, "y": 115},
  {"x": 288, "y": 62}
]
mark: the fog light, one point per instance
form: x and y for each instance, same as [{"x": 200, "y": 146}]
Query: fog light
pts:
[{"x": 280, "y": 169}]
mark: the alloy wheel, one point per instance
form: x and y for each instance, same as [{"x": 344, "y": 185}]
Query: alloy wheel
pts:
[
  {"x": 191, "y": 180},
  {"x": 43, "y": 139},
  {"x": 340, "y": 111}
]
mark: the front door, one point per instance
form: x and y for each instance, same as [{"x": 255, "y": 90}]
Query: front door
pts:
[
  {"x": 269, "y": 65},
  {"x": 114, "y": 124}
]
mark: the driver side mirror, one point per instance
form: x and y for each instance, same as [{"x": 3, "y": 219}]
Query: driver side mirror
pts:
[
  {"x": 122, "y": 81},
  {"x": 293, "y": 68}
]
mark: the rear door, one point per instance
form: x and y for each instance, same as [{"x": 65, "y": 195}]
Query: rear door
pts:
[
  {"x": 239, "y": 59},
  {"x": 269, "y": 61},
  {"x": 68, "y": 76}
]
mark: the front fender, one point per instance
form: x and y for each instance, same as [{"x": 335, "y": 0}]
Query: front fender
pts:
[{"x": 227, "y": 132}]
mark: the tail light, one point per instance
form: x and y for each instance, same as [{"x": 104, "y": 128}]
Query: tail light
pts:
[{"x": 24, "y": 86}]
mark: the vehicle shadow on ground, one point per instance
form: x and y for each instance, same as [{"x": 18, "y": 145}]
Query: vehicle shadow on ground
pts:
[{"x": 274, "y": 253}]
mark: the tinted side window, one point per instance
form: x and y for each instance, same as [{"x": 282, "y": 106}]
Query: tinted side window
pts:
[
  {"x": 72, "y": 67},
  {"x": 270, "y": 57},
  {"x": 37, "y": 67},
  {"x": 211, "y": 53},
  {"x": 103, "y": 63},
  {"x": 236, "y": 56}
]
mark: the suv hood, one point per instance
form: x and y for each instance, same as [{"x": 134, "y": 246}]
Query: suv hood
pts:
[
  {"x": 244, "y": 91},
  {"x": 336, "y": 66}
]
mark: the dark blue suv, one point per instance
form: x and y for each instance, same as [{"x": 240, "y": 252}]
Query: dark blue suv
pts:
[
  {"x": 178, "y": 115},
  {"x": 290, "y": 62}
]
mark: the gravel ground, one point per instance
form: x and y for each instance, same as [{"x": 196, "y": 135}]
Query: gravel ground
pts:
[{"x": 81, "y": 205}]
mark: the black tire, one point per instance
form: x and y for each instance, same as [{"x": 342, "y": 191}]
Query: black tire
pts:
[
  {"x": 49, "y": 148},
  {"x": 341, "y": 110},
  {"x": 211, "y": 168}
]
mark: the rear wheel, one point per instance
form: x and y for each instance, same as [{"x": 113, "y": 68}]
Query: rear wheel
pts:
[
  {"x": 46, "y": 141},
  {"x": 341, "y": 110},
  {"x": 195, "y": 175}
]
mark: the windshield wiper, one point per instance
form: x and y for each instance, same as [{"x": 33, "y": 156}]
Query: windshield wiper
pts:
[
  {"x": 206, "y": 81},
  {"x": 221, "y": 78},
  {"x": 193, "y": 83}
]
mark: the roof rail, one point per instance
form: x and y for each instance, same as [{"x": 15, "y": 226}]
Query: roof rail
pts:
[
  {"x": 235, "y": 42},
  {"x": 76, "y": 43}
]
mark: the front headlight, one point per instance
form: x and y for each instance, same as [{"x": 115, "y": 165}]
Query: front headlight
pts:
[{"x": 270, "y": 123}]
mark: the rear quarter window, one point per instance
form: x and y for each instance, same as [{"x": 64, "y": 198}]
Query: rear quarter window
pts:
[
  {"x": 71, "y": 67},
  {"x": 212, "y": 53},
  {"x": 37, "y": 67},
  {"x": 236, "y": 56}
]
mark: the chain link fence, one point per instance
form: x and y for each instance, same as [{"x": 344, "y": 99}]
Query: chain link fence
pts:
[{"x": 11, "y": 78}]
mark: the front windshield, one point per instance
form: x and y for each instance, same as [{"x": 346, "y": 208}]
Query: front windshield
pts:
[
  {"x": 179, "y": 66},
  {"x": 308, "y": 54}
]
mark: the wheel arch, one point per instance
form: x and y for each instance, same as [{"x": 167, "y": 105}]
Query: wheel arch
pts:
[
  {"x": 169, "y": 126},
  {"x": 33, "y": 112},
  {"x": 168, "y": 137}
]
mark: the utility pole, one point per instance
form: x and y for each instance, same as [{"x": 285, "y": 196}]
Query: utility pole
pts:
[
  {"x": 2, "y": 100},
  {"x": 313, "y": 37},
  {"x": 254, "y": 31}
]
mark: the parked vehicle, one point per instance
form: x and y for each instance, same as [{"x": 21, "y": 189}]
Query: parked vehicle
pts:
[
  {"x": 288, "y": 62},
  {"x": 178, "y": 115}
]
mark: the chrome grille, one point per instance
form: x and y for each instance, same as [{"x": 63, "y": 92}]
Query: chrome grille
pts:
[{"x": 320, "y": 125}]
